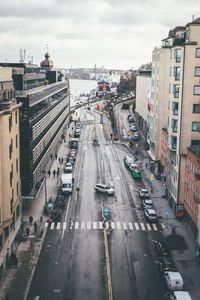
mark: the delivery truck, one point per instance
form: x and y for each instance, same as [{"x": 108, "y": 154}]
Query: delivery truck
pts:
[{"x": 66, "y": 183}]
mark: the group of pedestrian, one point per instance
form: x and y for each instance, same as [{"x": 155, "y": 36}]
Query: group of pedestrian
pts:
[
  {"x": 60, "y": 159},
  {"x": 35, "y": 225},
  {"x": 55, "y": 172}
]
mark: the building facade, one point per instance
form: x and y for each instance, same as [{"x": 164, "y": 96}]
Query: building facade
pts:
[
  {"x": 44, "y": 95},
  {"x": 9, "y": 168}
]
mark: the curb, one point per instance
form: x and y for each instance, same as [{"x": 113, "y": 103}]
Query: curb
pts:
[{"x": 34, "y": 266}]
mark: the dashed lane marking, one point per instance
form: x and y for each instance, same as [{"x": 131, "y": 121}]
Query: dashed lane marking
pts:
[
  {"x": 112, "y": 225},
  {"x": 82, "y": 225},
  {"x": 58, "y": 225},
  {"x": 76, "y": 225},
  {"x": 88, "y": 225},
  {"x": 155, "y": 227},
  {"x": 118, "y": 225},
  {"x": 124, "y": 226},
  {"x": 130, "y": 226},
  {"x": 100, "y": 225}
]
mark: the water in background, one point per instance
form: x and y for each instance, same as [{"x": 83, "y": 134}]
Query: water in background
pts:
[{"x": 78, "y": 86}]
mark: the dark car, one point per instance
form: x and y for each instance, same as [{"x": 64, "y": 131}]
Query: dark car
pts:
[
  {"x": 161, "y": 248},
  {"x": 166, "y": 264}
]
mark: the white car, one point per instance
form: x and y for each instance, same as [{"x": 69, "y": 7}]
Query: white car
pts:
[
  {"x": 68, "y": 167},
  {"x": 150, "y": 214},
  {"x": 144, "y": 194},
  {"x": 180, "y": 295},
  {"x": 103, "y": 188},
  {"x": 132, "y": 167},
  {"x": 147, "y": 203},
  {"x": 129, "y": 160}
]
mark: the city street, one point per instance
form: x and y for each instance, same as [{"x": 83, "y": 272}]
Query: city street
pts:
[{"x": 73, "y": 260}]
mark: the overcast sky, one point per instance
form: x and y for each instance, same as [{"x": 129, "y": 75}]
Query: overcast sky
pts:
[{"x": 79, "y": 33}]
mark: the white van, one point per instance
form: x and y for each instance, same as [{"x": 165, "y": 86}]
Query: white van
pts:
[
  {"x": 180, "y": 295},
  {"x": 174, "y": 281}
]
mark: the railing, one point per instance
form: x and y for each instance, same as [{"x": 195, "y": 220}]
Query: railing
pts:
[
  {"x": 174, "y": 129},
  {"x": 197, "y": 175},
  {"x": 175, "y": 112},
  {"x": 197, "y": 198}
]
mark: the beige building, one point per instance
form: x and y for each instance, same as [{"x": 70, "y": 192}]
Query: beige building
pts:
[
  {"x": 9, "y": 167},
  {"x": 184, "y": 103},
  {"x": 158, "y": 106},
  {"x": 143, "y": 94}
]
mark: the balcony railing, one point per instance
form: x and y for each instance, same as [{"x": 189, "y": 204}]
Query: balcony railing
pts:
[
  {"x": 197, "y": 198},
  {"x": 175, "y": 112},
  {"x": 176, "y": 94},
  {"x": 173, "y": 146}
]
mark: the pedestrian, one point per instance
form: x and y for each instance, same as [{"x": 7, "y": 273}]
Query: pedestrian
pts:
[
  {"x": 62, "y": 160},
  {"x": 49, "y": 172},
  {"x": 59, "y": 160},
  {"x": 30, "y": 220},
  {"x": 27, "y": 231},
  {"x": 56, "y": 156},
  {"x": 58, "y": 172},
  {"x": 146, "y": 165},
  {"x": 35, "y": 226},
  {"x": 54, "y": 173},
  {"x": 51, "y": 156},
  {"x": 41, "y": 219}
]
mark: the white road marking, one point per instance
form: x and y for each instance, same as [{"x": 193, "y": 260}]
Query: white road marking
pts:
[
  {"x": 130, "y": 226},
  {"x": 64, "y": 225},
  {"x": 155, "y": 227},
  {"x": 142, "y": 226},
  {"x": 88, "y": 225},
  {"x": 76, "y": 225},
  {"x": 94, "y": 225},
  {"x": 112, "y": 225},
  {"x": 124, "y": 225},
  {"x": 136, "y": 226},
  {"x": 148, "y": 226},
  {"x": 163, "y": 225},
  {"x": 82, "y": 225},
  {"x": 52, "y": 226},
  {"x": 66, "y": 215},
  {"x": 58, "y": 225},
  {"x": 118, "y": 225},
  {"x": 46, "y": 224},
  {"x": 100, "y": 225},
  {"x": 107, "y": 225}
]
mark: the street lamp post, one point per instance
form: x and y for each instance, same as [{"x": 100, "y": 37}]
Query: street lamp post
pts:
[{"x": 45, "y": 186}]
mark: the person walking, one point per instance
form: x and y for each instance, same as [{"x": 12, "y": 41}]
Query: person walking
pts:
[
  {"x": 58, "y": 173},
  {"x": 49, "y": 172},
  {"x": 59, "y": 160},
  {"x": 62, "y": 160},
  {"x": 56, "y": 156},
  {"x": 30, "y": 220},
  {"x": 54, "y": 173},
  {"x": 146, "y": 165},
  {"x": 35, "y": 227}
]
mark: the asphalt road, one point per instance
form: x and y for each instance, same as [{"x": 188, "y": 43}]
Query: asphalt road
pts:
[{"x": 72, "y": 264}]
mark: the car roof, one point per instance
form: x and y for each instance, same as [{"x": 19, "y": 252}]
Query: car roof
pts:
[
  {"x": 174, "y": 275},
  {"x": 148, "y": 200},
  {"x": 102, "y": 184},
  {"x": 144, "y": 190},
  {"x": 183, "y": 295},
  {"x": 151, "y": 211}
]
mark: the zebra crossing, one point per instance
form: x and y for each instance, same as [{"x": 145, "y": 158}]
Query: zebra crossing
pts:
[
  {"x": 98, "y": 225},
  {"x": 102, "y": 142}
]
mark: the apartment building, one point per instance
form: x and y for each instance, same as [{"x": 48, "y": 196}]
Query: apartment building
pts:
[
  {"x": 143, "y": 94},
  {"x": 9, "y": 167},
  {"x": 183, "y": 104},
  {"x": 192, "y": 190},
  {"x": 158, "y": 104},
  {"x": 44, "y": 95}
]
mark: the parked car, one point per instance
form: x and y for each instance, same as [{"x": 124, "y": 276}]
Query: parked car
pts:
[
  {"x": 144, "y": 194},
  {"x": 128, "y": 160},
  {"x": 133, "y": 128},
  {"x": 68, "y": 167},
  {"x": 136, "y": 136},
  {"x": 180, "y": 295},
  {"x": 150, "y": 215},
  {"x": 166, "y": 264},
  {"x": 103, "y": 188},
  {"x": 130, "y": 118},
  {"x": 132, "y": 167},
  {"x": 174, "y": 281},
  {"x": 72, "y": 155},
  {"x": 136, "y": 174},
  {"x": 161, "y": 248},
  {"x": 147, "y": 203}
]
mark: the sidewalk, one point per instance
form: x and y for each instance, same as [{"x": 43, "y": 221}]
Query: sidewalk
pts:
[
  {"x": 16, "y": 281},
  {"x": 181, "y": 244}
]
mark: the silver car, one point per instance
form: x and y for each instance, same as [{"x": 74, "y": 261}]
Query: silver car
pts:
[{"x": 103, "y": 188}]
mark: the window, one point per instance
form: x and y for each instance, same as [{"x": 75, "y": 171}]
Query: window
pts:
[
  {"x": 10, "y": 122},
  {"x": 17, "y": 166},
  {"x": 197, "y": 90},
  {"x": 177, "y": 55},
  {"x": 16, "y": 141},
  {"x": 176, "y": 90},
  {"x": 16, "y": 117},
  {"x": 197, "y": 52},
  {"x": 175, "y": 108},
  {"x": 196, "y": 109},
  {"x": 17, "y": 189},
  {"x": 197, "y": 71},
  {"x": 177, "y": 73},
  {"x": 196, "y": 126}
]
